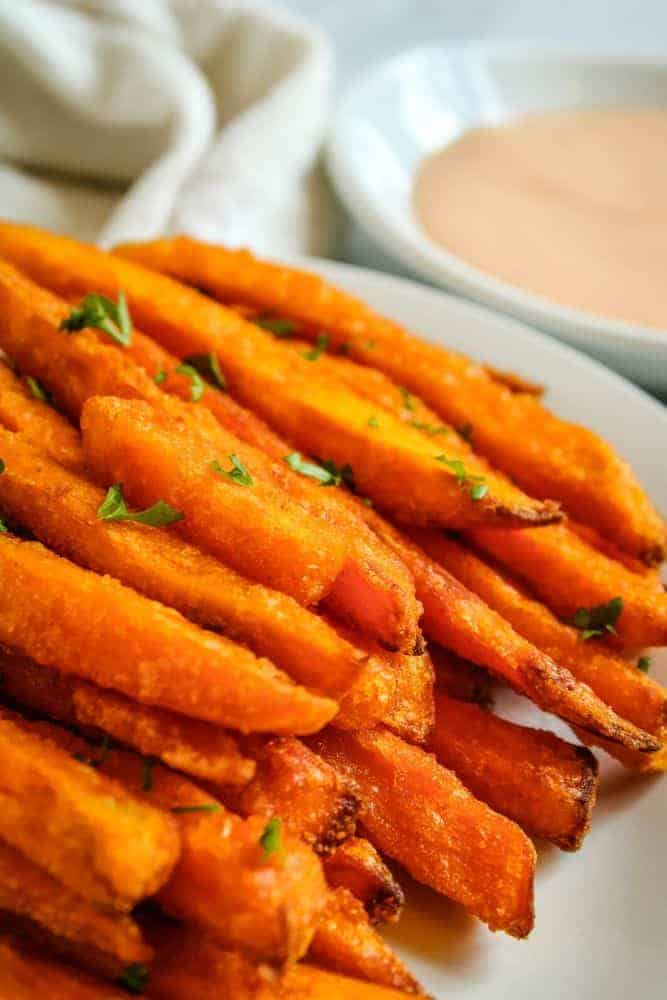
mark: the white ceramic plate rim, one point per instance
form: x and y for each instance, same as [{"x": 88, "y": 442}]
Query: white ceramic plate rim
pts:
[
  {"x": 618, "y": 881},
  {"x": 421, "y": 254}
]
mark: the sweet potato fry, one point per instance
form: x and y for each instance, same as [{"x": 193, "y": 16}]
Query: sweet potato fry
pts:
[
  {"x": 544, "y": 784},
  {"x": 98, "y": 629},
  {"x": 460, "y": 678},
  {"x": 569, "y": 574},
  {"x": 456, "y": 618},
  {"x": 77, "y": 824},
  {"x": 292, "y": 782},
  {"x": 37, "y": 421},
  {"x": 30, "y": 892},
  {"x": 190, "y": 965},
  {"x": 355, "y": 865},
  {"x": 418, "y": 813},
  {"x": 628, "y": 691},
  {"x": 346, "y": 942},
  {"x": 320, "y": 417},
  {"x": 197, "y": 748},
  {"x": 571, "y": 463},
  {"x": 412, "y": 711},
  {"x": 263, "y": 899},
  {"x": 60, "y": 509},
  {"x": 23, "y": 971}
]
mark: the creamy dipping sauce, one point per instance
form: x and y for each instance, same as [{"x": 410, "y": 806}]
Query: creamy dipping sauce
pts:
[{"x": 569, "y": 205}]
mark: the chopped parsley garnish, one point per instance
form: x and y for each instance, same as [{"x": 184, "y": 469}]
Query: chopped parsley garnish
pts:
[
  {"x": 97, "y": 761},
  {"x": 114, "y": 508},
  {"x": 100, "y": 312},
  {"x": 204, "y": 807},
  {"x": 135, "y": 978},
  {"x": 208, "y": 367},
  {"x": 408, "y": 402},
  {"x": 197, "y": 384},
  {"x": 238, "y": 472},
  {"x": 465, "y": 430},
  {"x": 373, "y": 422},
  {"x": 320, "y": 347},
  {"x": 340, "y": 474},
  {"x": 147, "y": 764},
  {"x": 36, "y": 389},
  {"x": 643, "y": 664},
  {"x": 277, "y": 325},
  {"x": 366, "y": 501},
  {"x": 476, "y": 485},
  {"x": 311, "y": 469},
  {"x": 160, "y": 377},
  {"x": 368, "y": 345},
  {"x": 271, "y": 839},
  {"x": 594, "y": 622},
  {"x": 2, "y": 466},
  {"x": 430, "y": 429}
]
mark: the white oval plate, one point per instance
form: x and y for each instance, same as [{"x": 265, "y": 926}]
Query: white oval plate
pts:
[
  {"x": 423, "y": 99},
  {"x": 601, "y": 918}
]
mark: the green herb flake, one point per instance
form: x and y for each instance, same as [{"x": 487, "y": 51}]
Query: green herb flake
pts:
[
  {"x": 476, "y": 485},
  {"x": 311, "y": 469},
  {"x": 594, "y": 622},
  {"x": 134, "y": 978},
  {"x": 114, "y": 508},
  {"x": 373, "y": 422},
  {"x": 366, "y": 501},
  {"x": 147, "y": 765},
  {"x": 36, "y": 389},
  {"x": 644, "y": 664},
  {"x": 197, "y": 385},
  {"x": 271, "y": 839},
  {"x": 431, "y": 429},
  {"x": 408, "y": 401},
  {"x": 277, "y": 325},
  {"x": 4, "y": 530},
  {"x": 160, "y": 377},
  {"x": 204, "y": 807},
  {"x": 368, "y": 345},
  {"x": 208, "y": 367},
  {"x": 465, "y": 431},
  {"x": 340, "y": 474},
  {"x": 321, "y": 344},
  {"x": 238, "y": 472},
  {"x": 102, "y": 313},
  {"x": 2, "y": 466}
]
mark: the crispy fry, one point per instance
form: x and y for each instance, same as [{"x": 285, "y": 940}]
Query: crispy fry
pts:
[
  {"x": 460, "y": 678},
  {"x": 60, "y": 509},
  {"x": 224, "y": 881},
  {"x": 412, "y": 712},
  {"x": 76, "y": 824},
  {"x": 195, "y": 747},
  {"x": 320, "y": 417},
  {"x": 355, "y": 865},
  {"x": 569, "y": 574},
  {"x": 37, "y": 421},
  {"x": 98, "y": 629},
  {"x": 193, "y": 966},
  {"x": 420, "y": 814},
  {"x": 292, "y": 782},
  {"x": 628, "y": 691},
  {"x": 571, "y": 464},
  {"x": 456, "y": 618},
  {"x": 346, "y": 942},
  {"x": 544, "y": 784},
  {"x": 30, "y": 892},
  {"x": 22, "y": 971}
]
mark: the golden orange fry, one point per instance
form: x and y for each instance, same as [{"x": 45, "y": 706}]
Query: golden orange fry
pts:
[
  {"x": 420, "y": 814},
  {"x": 23, "y": 969},
  {"x": 571, "y": 464},
  {"x": 355, "y": 865},
  {"x": 37, "y": 421},
  {"x": 197, "y": 748},
  {"x": 98, "y": 629},
  {"x": 346, "y": 942},
  {"x": 76, "y": 823},
  {"x": 456, "y": 618},
  {"x": 30, "y": 892},
  {"x": 544, "y": 784}
]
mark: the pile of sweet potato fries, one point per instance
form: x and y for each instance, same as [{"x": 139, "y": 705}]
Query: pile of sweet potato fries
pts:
[{"x": 236, "y": 505}]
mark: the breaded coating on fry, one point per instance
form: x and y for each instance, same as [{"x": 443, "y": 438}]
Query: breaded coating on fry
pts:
[
  {"x": 96, "y": 628},
  {"x": 37, "y": 421},
  {"x": 420, "y": 814},
  {"x": 356, "y": 866}
]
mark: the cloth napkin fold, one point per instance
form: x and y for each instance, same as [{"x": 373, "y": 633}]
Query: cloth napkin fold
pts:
[{"x": 130, "y": 119}]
